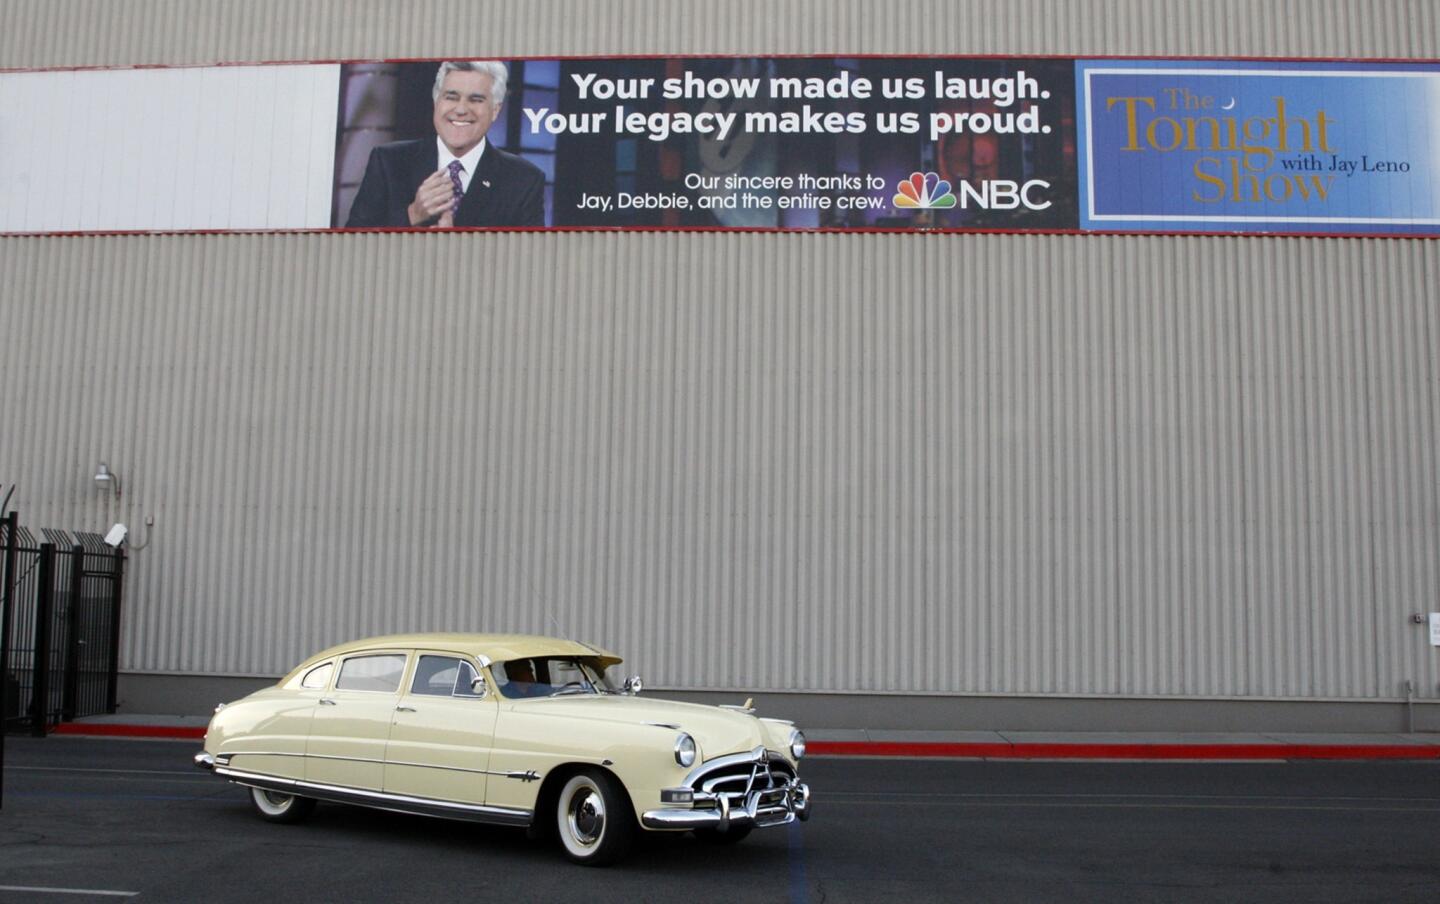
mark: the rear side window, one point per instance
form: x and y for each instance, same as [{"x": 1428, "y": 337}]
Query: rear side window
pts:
[
  {"x": 318, "y": 677},
  {"x": 372, "y": 673}
]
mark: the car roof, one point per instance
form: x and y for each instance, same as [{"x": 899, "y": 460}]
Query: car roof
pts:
[{"x": 495, "y": 647}]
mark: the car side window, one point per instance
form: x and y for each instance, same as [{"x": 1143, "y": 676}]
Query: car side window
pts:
[
  {"x": 318, "y": 677},
  {"x": 443, "y": 676},
  {"x": 465, "y": 681},
  {"x": 372, "y": 673},
  {"x": 435, "y": 676}
]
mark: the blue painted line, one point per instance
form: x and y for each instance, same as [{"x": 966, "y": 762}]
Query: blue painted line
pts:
[{"x": 799, "y": 887}]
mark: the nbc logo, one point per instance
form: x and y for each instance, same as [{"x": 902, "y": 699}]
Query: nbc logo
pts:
[{"x": 923, "y": 191}]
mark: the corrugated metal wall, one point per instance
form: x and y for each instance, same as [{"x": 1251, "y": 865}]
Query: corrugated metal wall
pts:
[
  {"x": 127, "y": 32},
  {"x": 929, "y": 464}
]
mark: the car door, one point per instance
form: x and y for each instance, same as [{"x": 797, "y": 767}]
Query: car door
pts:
[
  {"x": 351, "y": 725},
  {"x": 276, "y": 743},
  {"x": 442, "y": 732}
]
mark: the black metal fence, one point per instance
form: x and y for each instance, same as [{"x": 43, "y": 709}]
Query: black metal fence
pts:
[{"x": 59, "y": 627}]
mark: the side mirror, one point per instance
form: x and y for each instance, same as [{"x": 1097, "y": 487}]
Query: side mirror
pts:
[
  {"x": 633, "y": 685},
  {"x": 477, "y": 685}
]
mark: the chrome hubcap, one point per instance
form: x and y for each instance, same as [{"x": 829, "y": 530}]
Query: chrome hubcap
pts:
[
  {"x": 276, "y": 800},
  {"x": 587, "y": 817}
]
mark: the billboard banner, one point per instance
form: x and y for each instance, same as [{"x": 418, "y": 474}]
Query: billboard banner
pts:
[
  {"x": 750, "y": 143},
  {"x": 1214, "y": 146},
  {"x": 835, "y": 143}
]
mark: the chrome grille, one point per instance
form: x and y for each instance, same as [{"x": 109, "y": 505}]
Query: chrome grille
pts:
[
  {"x": 760, "y": 782},
  {"x": 757, "y": 788},
  {"x": 742, "y": 778}
]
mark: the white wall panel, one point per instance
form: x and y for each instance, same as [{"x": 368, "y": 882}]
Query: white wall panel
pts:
[
  {"x": 134, "y": 149},
  {"x": 1129, "y": 466}
]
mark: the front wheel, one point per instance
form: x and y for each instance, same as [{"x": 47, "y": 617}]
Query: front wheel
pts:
[
  {"x": 277, "y": 806},
  {"x": 593, "y": 818}
]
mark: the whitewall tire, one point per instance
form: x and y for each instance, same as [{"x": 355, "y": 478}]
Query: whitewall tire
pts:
[
  {"x": 277, "y": 806},
  {"x": 593, "y": 818}
]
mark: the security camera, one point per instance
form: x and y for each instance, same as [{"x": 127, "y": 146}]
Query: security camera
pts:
[{"x": 117, "y": 535}]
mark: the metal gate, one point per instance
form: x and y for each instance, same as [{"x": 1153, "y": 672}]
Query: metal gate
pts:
[{"x": 59, "y": 627}]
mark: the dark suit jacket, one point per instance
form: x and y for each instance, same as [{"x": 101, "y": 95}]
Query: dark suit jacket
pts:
[{"x": 515, "y": 195}]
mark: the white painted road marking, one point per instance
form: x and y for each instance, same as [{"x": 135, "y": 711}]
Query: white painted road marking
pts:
[
  {"x": 195, "y": 772},
  {"x": 69, "y": 891}
]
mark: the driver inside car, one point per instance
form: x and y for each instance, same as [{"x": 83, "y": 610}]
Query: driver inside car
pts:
[{"x": 520, "y": 675}]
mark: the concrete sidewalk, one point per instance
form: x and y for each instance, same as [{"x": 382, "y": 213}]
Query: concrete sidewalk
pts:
[{"x": 1000, "y": 745}]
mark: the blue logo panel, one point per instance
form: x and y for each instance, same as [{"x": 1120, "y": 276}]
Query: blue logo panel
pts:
[{"x": 1258, "y": 147}]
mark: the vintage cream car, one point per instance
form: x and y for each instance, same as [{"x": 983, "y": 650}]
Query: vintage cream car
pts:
[{"x": 510, "y": 729}]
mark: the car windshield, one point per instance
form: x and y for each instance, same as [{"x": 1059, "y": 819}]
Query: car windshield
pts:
[{"x": 550, "y": 676}]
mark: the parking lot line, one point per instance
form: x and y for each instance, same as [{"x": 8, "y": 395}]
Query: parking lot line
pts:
[
  {"x": 69, "y": 891},
  {"x": 185, "y": 772}
]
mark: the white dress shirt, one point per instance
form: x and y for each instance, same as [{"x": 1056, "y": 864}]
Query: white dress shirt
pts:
[{"x": 467, "y": 163}]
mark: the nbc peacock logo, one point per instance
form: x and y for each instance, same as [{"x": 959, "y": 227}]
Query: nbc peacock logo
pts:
[{"x": 923, "y": 191}]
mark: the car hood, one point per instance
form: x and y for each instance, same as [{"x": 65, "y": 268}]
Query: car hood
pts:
[{"x": 717, "y": 731}]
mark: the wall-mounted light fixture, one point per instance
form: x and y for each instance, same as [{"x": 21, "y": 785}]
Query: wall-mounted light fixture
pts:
[{"x": 106, "y": 481}]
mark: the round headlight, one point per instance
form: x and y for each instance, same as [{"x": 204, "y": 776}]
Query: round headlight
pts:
[
  {"x": 797, "y": 744},
  {"x": 685, "y": 750}
]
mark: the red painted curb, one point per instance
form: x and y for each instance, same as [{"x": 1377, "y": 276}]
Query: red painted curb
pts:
[
  {"x": 1007, "y": 751},
  {"x": 110, "y": 730}
]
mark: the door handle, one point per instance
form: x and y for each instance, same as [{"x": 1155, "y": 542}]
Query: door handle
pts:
[
  {"x": 404, "y": 709},
  {"x": 326, "y": 701}
]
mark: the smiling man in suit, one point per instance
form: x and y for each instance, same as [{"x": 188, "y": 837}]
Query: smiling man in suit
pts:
[{"x": 459, "y": 178}]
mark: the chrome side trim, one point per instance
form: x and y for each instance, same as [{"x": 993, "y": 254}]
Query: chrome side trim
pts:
[
  {"x": 380, "y": 800},
  {"x": 446, "y": 768},
  {"x": 313, "y": 756},
  {"x": 225, "y": 757}
]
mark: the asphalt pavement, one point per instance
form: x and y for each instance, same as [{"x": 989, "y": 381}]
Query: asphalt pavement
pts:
[{"x": 96, "y": 819}]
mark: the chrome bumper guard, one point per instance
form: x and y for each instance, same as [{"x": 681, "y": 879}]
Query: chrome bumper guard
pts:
[
  {"x": 775, "y": 804},
  {"x": 205, "y": 761}
]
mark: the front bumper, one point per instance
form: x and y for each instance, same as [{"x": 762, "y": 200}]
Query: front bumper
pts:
[
  {"x": 741, "y": 790},
  {"x": 754, "y": 811}
]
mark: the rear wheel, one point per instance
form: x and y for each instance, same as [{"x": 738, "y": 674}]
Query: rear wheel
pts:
[
  {"x": 593, "y": 818},
  {"x": 277, "y": 806}
]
